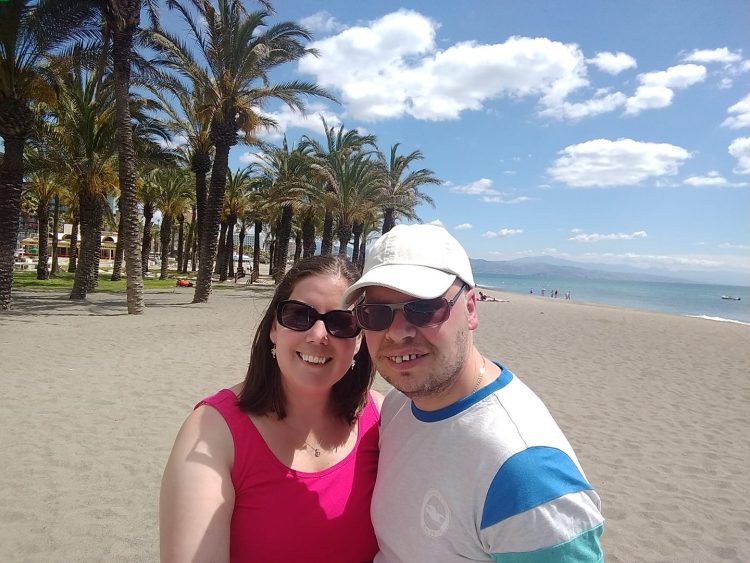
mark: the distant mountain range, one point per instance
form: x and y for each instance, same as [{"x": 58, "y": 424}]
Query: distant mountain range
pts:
[{"x": 548, "y": 266}]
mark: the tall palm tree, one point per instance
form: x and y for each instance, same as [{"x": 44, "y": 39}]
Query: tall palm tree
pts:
[
  {"x": 239, "y": 51},
  {"x": 240, "y": 185},
  {"x": 173, "y": 198},
  {"x": 29, "y": 31},
  {"x": 42, "y": 188},
  {"x": 402, "y": 192},
  {"x": 339, "y": 146}
]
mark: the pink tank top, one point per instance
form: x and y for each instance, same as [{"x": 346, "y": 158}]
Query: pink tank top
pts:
[{"x": 285, "y": 515}]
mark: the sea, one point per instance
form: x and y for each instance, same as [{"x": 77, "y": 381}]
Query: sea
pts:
[{"x": 691, "y": 299}]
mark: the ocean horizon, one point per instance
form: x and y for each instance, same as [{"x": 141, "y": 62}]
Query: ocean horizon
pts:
[{"x": 689, "y": 299}]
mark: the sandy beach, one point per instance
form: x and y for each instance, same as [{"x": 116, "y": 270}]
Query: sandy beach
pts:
[{"x": 655, "y": 405}]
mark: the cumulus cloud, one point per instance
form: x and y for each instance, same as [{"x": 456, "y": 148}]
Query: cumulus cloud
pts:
[
  {"x": 483, "y": 186},
  {"x": 604, "y": 101},
  {"x": 579, "y": 236},
  {"x": 322, "y": 22},
  {"x": 463, "y": 227},
  {"x": 391, "y": 67},
  {"x": 733, "y": 246},
  {"x": 251, "y": 158},
  {"x": 656, "y": 89},
  {"x": 712, "y": 179},
  {"x": 602, "y": 163},
  {"x": 612, "y": 63},
  {"x": 721, "y": 55},
  {"x": 437, "y": 222},
  {"x": 740, "y": 149},
  {"x": 287, "y": 118},
  {"x": 739, "y": 114},
  {"x": 502, "y": 233},
  {"x": 503, "y": 199}
]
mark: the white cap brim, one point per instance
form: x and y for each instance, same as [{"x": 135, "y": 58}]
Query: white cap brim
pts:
[{"x": 421, "y": 282}]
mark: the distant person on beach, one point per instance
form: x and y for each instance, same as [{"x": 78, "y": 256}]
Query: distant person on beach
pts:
[
  {"x": 483, "y": 297},
  {"x": 472, "y": 465},
  {"x": 282, "y": 466}
]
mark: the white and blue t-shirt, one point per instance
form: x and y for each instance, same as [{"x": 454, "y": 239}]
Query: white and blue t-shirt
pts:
[{"x": 489, "y": 478}]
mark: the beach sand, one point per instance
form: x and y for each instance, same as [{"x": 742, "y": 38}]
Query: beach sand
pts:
[{"x": 655, "y": 405}]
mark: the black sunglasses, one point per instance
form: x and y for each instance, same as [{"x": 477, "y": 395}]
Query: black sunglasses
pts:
[
  {"x": 421, "y": 312},
  {"x": 299, "y": 316}
]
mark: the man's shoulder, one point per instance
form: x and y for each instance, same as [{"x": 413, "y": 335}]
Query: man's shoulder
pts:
[{"x": 394, "y": 401}]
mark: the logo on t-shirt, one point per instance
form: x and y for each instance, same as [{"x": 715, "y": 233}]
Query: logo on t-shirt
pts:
[{"x": 436, "y": 515}]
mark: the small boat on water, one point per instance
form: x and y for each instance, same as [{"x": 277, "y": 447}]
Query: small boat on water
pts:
[{"x": 731, "y": 297}]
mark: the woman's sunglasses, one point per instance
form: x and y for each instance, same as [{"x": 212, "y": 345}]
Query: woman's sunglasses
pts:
[
  {"x": 421, "y": 312},
  {"x": 299, "y": 316}
]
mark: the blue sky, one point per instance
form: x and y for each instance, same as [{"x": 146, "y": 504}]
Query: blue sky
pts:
[{"x": 610, "y": 132}]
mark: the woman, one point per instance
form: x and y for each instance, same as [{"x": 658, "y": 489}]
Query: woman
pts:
[{"x": 281, "y": 467}]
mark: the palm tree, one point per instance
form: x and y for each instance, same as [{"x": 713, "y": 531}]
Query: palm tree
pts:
[
  {"x": 42, "y": 188},
  {"x": 173, "y": 198},
  {"x": 240, "y": 51},
  {"x": 148, "y": 192},
  {"x": 29, "y": 31},
  {"x": 240, "y": 185},
  {"x": 402, "y": 193},
  {"x": 339, "y": 146}
]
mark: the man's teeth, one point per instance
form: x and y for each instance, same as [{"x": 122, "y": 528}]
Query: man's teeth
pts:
[
  {"x": 313, "y": 359},
  {"x": 404, "y": 358}
]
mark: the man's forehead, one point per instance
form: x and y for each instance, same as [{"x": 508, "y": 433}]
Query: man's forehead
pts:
[{"x": 382, "y": 294}]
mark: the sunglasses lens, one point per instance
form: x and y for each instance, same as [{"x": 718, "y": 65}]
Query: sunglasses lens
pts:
[
  {"x": 427, "y": 311},
  {"x": 296, "y": 316},
  {"x": 341, "y": 324},
  {"x": 374, "y": 317}
]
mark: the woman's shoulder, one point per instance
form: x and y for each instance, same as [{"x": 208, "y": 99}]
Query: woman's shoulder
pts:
[{"x": 376, "y": 398}]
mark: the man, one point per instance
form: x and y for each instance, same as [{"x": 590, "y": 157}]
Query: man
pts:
[{"x": 472, "y": 465}]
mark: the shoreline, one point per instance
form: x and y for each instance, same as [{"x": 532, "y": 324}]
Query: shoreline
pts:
[{"x": 654, "y": 405}]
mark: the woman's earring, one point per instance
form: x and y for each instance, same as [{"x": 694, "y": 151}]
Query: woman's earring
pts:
[
  {"x": 273, "y": 352},
  {"x": 354, "y": 363}
]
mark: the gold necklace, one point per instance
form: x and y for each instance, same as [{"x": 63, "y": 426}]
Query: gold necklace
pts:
[
  {"x": 316, "y": 451},
  {"x": 480, "y": 376}
]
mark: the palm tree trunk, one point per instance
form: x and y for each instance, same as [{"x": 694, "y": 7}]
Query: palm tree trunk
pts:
[
  {"x": 124, "y": 25},
  {"x": 200, "y": 164},
  {"x": 11, "y": 179},
  {"x": 221, "y": 250},
  {"x": 42, "y": 215},
  {"x": 283, "y": 233},
  {"x": 297, "y": 245},
  {"x": 73, "y": 260},
  {"x": 308, "y": 237},
  {"x": 55, "y": 228},
  {"x": 362, "y": 249},
  {"x": 148, "y": 215},
  {"x": 388, "y": 219},
  {"x": 188, "y": 243},
  {"x": 241, "y": 252},
  {"x": 357, "y": 232},
  {"x": 345, "y": 234},
  {"x": 180, "y": 240},
  {"x": 272, "y": 258},
  {"x": 164, "y": 235},
  {"x": 326, "y": 242},
  {"x": 119, "y": 248},
  {"x": 214, "y": 205},
  {"x": 256, "y": 251},
  {"x": 91, "y": 214},
  {"x": 228, "y": 269}
]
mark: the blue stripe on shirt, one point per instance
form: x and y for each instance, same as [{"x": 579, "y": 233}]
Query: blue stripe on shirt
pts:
[
  {"x": 528, "y": 479},
  {"x": 584, "y": 548}
]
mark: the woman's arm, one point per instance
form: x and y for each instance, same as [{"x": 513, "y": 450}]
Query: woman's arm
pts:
[{"x": 197, "y": 496}]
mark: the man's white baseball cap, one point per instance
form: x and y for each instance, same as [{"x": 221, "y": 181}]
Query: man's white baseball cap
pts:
[{"x": 419, "y": 260}]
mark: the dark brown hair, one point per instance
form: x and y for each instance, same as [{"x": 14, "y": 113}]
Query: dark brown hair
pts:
[{"x": 262, "y": 392}]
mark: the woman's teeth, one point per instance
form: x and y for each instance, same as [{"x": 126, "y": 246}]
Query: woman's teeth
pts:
[{"x": 313, "y": 359}]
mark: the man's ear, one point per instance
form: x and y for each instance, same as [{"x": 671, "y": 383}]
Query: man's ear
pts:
[{"x": 471, "y": 310}]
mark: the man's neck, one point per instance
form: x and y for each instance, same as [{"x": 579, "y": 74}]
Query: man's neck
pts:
[{"x": 473, "y": 376}]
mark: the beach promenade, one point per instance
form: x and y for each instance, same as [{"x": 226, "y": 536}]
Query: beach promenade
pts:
[{"x": 655, "y": 405}]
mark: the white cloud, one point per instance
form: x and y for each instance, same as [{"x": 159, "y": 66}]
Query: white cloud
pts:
[
  {"x": 437, "y": 222},
  {"x": 712, "y": 179},
  {"x": 391, "y": 67},
  {"x": 603, "y": 101},
  {"x": 625, "y": 162},
  {"x": 502, "y": 233},
  {"x": 251, "y": 158},
  {"x": 721, "y": 55},
  {"x": 741, "y": 114},
  {"x": 734, "y": 246},
  {"x": 463, "y": 227},
  {"x": 502, "y": 199},
  {"x": 287, "y": 118},
  {"x": 612, "y": 63},
  {"x": 596, "y": 237},
  {"x": 656, "y": 89},
  {"x": 740, "y": 149},
  {"x": 321, "y": 22},
  {"x": 483, "y": 186}
]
